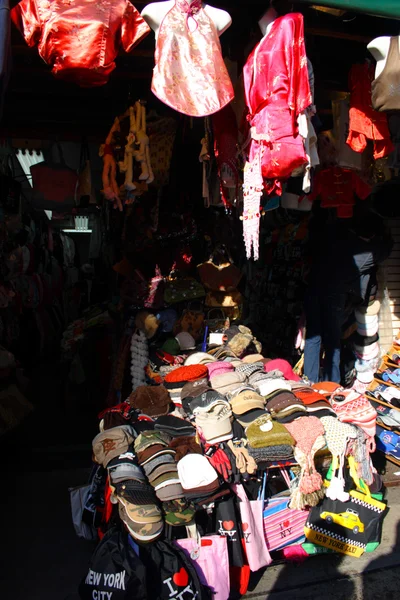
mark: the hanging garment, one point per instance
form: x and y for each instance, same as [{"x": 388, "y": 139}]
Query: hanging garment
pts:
[
  {"x": 80, "y": 39},
  {"x": 190, "y": 74},
  {"x": 386, "y": 87},
  {"x": 346, "y": 157},
  {"x": 365, "y": 122},
  {"x": 336, "y": 187},
  {"x": 277, "y": 90}
]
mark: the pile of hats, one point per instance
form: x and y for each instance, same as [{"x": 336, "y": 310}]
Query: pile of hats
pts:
[
  {"x": 158, "y": 461},
  {"x": 137, "y": 503},
  {"x": 199, "y": 480},
  {"x": 366, "y": 345},
  {"x": 175, "y": 380}
]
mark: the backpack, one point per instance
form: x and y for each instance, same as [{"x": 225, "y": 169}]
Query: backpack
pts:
[
  {"x": 176, "y": 575},
  {"x": 115, "y": 572}
]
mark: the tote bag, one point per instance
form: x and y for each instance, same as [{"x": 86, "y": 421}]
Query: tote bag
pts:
[
  {"x": 251, "y": 512},
  {"x": 209, "y": 555},
  {"x": 54, "y": 185},
  {"x": 283, "y": 526}
]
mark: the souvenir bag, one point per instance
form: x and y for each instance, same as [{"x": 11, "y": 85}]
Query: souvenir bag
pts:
[
  {"x": 54, "y": 184},
  {"x": 171, "y": 574},
  {"x": 223, "y": 277},
  {"x": 78, "y": 497},
  {"x": 251, "y": 513},
  {"x": 182, "y": 290},
  {"x": 115, "y": 571},
  {"x": 227, "y": 523},
  {"x": 192, "y": 320},
  {"x": 348, "y": 527},
  {"x": 283, "y": 526},
  {"x": 209, "y": 555},
  {"x": 231, "y": 303}
]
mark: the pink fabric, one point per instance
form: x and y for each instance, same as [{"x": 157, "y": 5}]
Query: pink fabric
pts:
[
  {"x": 284, "y": 367},
  {"x": 212, "y": 564},
  {"x": 219, "y": 368},
  {"x": 283, "y": 525},
  {"x": 251, "y": 513},
  {"x": 190, "y": 74}
]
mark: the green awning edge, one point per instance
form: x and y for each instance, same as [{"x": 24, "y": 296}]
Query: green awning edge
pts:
[{"x": 381, "y": 8}]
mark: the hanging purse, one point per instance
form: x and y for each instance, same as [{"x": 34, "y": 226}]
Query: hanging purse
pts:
[
  {"x": 192, "y": 320},
  {"x": 54, "y": 184},
  {"x": 216, "y": 320},
  {"x": 224, "y": 277}
]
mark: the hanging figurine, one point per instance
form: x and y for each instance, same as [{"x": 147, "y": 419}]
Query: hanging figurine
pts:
[
  {"x": 142, "y": 155},
  {"x": 109, "y": 176}
]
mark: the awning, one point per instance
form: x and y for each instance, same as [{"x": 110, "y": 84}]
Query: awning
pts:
[{"x": 381, "y": 8}]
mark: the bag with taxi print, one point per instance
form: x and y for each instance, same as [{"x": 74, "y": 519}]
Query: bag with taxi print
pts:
[{"x": 350, "y": 527}]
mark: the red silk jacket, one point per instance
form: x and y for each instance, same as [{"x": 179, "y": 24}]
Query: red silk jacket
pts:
[{"x": 80, "y": 39}]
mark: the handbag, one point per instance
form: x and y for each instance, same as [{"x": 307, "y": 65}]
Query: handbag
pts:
[
  {"x": 224, "y": 277},
  {"x": 78, "y": 498},
  {"x": 182, "y": 289},
  {"x": 283, "y": 526},
  {"x": 209, "y": 555},
  {"x": 227, "y": 523},
  {"x": 352, "y": 527},
  {"x": 54, "y": 184},
  {"x": 251, "y": 513},
  {"x": 231, "y": 303},
  {"x": 192, "y": 321}
]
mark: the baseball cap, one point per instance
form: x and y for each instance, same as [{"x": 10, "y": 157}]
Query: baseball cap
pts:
[
  {"x": 111, "y": 443},
  {"x": 185, "y": 340},
  {"x": 204, "y": 402},
  {"x": 245, "y": 401},
  {"x": 151, "y": 400},
  {"x": 249, "y": 417}
]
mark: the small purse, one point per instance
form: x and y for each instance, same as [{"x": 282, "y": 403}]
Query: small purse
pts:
[
  {"x": 192, "y": 320},
  {"x": 216, "y": 320}
]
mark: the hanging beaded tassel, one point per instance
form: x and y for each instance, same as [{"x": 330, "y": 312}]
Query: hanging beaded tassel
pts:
[{"x": 252, "y": 192}]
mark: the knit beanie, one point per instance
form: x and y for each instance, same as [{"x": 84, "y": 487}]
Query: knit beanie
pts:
[
  {"x": 219, "y": 368},
  {"x": 264, "y": 432}
]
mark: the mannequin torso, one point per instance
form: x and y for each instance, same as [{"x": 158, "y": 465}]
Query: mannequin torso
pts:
[
  {"x": 154, "y": 14},
  {"x": 379, "y": 48},
  {"x": 266, "y": 21}
]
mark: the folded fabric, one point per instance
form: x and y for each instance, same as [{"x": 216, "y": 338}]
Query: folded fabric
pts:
[
  {"x": 388, "y": 442},
  {"x": 183, "y": 446},
  {"x": 219, "y": 368},
  {"x": 265, "y": 432},
  {"x": 111, "y": 443},
  {"x": 174, "y": 426},
  {"x": 249, "y": 369},
  {"x": 187, "y": 373},
  {"x": 284, "y": 367},
  {"x": 269, "y": 386},
  {"x": 199, "y": 358},
  {"x": 227, "y": 382},
  {"x": 271, "y": 453}
]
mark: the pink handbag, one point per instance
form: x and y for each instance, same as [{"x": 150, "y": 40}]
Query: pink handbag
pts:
[
  {"x": 251, "y": 513},
  {"x": 209, "y": 555},
  {"x": 283, "y": 526}
]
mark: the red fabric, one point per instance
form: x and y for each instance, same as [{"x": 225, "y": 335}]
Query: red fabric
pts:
[
  {"x": 365, "y": 122},
  {"x": 189, "y": 373},
  {"x": 80, "y": 39},
  {"x": 276, "y": 93},
  {"x": 336, "y": 187}
]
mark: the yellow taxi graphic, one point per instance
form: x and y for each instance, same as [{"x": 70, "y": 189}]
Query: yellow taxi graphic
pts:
[{"x": 348, "y": 519}]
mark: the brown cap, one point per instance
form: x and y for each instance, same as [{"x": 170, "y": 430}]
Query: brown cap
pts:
[
  {"x": 194, "y": 388},
  {"x": 151, "y": 400},
  {"x": 245, "y": 401}
]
